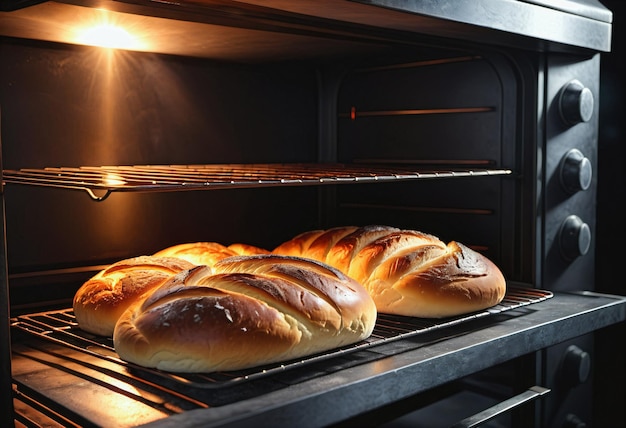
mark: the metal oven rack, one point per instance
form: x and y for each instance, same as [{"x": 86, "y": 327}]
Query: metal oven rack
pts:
[
  {"x": 71, "y": 378},
  {"x": 99, "y": 182},
  {"x": 65, "y": 347},
  {"x": 60, "y": 327}
]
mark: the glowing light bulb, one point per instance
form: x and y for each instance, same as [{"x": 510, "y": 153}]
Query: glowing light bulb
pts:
[{"x": 107, "y": 36}]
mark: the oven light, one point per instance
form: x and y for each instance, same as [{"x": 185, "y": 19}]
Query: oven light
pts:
[
  {"x": 107, "y": 29},
  {"x": 107, "y": 36}
]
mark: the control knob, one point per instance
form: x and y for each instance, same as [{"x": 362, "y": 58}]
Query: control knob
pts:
[
  {"x": 576, "y": 365},
  {"x": 576, "y": 103},
  {"x": 576, "y": 171},
  {"x": 574, "y": 237},
  {"x": 573, "y": 421}
]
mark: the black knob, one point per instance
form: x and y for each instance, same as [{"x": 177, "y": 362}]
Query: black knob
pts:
[
  {"x": 576, "y": 365},
  {"x": 574, "y": 238},
  {"x": 573, "y": 421},
  {"x": 576, "y": 103},
  {"x": 576, "y": 171}
]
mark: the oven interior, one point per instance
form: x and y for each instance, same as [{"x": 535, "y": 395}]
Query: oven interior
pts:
[
  {"x": 297, "y": 129},
  {"x": 409, "y": 115}
]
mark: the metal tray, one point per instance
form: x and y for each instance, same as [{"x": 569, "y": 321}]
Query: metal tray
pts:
[{"x": 60, "y": 327}]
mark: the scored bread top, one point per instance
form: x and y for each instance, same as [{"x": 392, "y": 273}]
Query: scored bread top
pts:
[
  {"x": 406, "y": 272},
  {"x": 243, "y": 312}
]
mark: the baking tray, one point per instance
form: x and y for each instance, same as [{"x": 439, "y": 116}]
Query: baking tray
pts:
[{"x": 60, "y": 327}]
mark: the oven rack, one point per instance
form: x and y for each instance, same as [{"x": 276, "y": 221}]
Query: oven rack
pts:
[
  {"x": 100, "y": 181},
  {"x": 60, "y": 327}
]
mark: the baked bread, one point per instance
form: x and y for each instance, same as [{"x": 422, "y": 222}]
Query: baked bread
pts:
[
  {"x": 208, "y": 253},
  {"x": 244, "y": 312},
  {"x": 100, "y": 301},
  {"x": 405, "y": 271}
]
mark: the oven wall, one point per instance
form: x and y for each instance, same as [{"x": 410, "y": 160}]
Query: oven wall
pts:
[
  {"x": 73, "y": 106},
  {"x": 70, "y": 106},
  {"x": 79, "y": 106}
]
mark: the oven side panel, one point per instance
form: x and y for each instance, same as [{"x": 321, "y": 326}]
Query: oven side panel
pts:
[
  {"x": 569, "y": 224},
  {"x": 449, "y": 113}
]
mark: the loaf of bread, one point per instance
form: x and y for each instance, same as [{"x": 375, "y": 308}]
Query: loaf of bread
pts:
[
  {"x": 100, "y": 301},
  {"x": 208, "y": 253},
  {"x": 406, "y": 272},
  {"x": 243, "y": 312}
]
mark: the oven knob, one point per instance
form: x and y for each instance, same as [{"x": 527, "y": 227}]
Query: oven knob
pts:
[
  {"x": 574, "y": 237},
  {"x": 573, "y": 421},
  {"x": 576, "y": 366},
  {"x": 576, "y": 171},
  {"x": 576, "y": 103}
]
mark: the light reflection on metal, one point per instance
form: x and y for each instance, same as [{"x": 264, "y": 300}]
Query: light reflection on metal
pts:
[{"x": 113, "y": 180}]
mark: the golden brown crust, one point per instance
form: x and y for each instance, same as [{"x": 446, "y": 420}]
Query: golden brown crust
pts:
[
  {"x": 247, "y": 250},
  {"x": 455, "y": 282},
  {"x": 100, "y": 301},
  {"x": 406, "y": 272},
  {"x": 198, "y": 253},
  {"x": 246, "y": 311},
  {"x": 208, "y": 253}
]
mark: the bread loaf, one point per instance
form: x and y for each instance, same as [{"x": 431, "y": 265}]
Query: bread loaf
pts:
[
  {"x": 100, "y": 301},
  {"x": 208, "y": 253},
  {"x": 243, "y": 312},
  {"x": 406, "y": 272}
]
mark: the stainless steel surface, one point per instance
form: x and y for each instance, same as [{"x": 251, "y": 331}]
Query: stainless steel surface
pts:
[
  {"x": 589, "y": 28},
  {"x": 589, "y": 8}
]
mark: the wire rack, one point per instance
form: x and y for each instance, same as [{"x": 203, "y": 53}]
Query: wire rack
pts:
[
  {"x": 100, "y": 181},
  {"x": 60, "y": 327}
]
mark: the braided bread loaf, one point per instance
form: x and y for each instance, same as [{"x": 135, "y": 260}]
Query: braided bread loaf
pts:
[
  {"x": 243, "y": 312},
  {"x": 100, "y": 301},
  {"x": 406, "y": 272}
]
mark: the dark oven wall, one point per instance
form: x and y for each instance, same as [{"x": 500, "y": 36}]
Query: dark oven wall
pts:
[
  {"x": 72, "y": 106},
  {"x": 430, "y": 109}
]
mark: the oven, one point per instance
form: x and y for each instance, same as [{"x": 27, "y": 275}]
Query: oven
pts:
[{"x": 252, "y": 121}]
